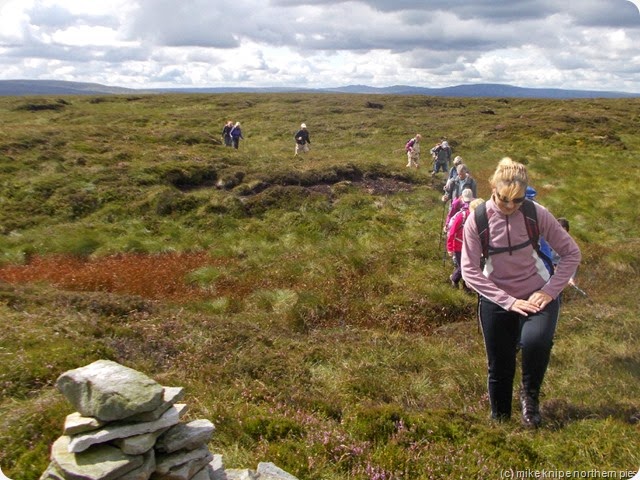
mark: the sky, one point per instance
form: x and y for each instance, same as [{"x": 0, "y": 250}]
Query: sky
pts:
[{"x": 569, "y": 44}]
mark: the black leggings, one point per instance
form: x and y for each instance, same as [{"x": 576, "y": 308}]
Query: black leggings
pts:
[{"x": 504, "y": 332}]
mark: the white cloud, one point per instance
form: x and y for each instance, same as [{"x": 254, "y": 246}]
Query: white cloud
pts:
[{"x": 591, "y": 44}]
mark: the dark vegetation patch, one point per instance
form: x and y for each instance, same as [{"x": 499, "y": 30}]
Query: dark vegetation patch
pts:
[
  {"x": 38, "y": 107},
  {"x": 184, "y": 175},
  {"x": 21, "y": 296},
  {"x": 376, "y": 180}
]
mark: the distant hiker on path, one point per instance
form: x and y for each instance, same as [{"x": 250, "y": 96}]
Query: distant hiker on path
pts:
[
  {"x": 412, "y": 148},
  {"x": 454, "y": 242},
  {"x": 454, "y": 188},
  {"x": 226, "y": 133},
  {"x": 456, "y": 205},
  {"x": 441, "y": 154},
  {"x": 236, "y": 135},
  {"x": 453, "y": 172},
  {"x": 302, "y": 140},
  {"x": 518, "y": 299},
  {"x": 455, "y": 233}
]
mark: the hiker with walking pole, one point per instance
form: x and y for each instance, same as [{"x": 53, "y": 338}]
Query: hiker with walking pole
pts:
[
  {"x": 518, "y": 303},
  {"x": 442, "y": 245}
]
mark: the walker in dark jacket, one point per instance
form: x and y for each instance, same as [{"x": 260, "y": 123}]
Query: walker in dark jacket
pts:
[
  {"x": 302, "y": 140},
  {"x": 226, "y": 133}
]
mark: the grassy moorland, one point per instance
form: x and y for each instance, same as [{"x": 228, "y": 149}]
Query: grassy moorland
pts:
[{"x": 303, "y": 302}]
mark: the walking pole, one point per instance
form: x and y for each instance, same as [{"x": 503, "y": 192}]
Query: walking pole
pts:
[
  {"x": 580, "y": 291},
  {"x": 444, "y": 255}
]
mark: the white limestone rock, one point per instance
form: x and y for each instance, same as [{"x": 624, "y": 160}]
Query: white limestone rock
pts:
[
  {"x": 144, "y": 471},
  {"x": 167, "y": 462},
  {"x": 51, "y": 473},
  {"x": 139, "y": 444},
  {"x": 216, "y": 468},
  {"x": 75, "y": 423},
  {"x": 241, "y": 474},
  {"x": 269, "y": 471},
  {"x": 102, "y": 462},
  {"x": 185, "y": 436},
  {"x": 111, "y": 432},
  {"x": 109, "y": 391},
  {"x": 213, "y": 471},
  {"x": 171, "y": 395},
  {"x": 185, "y": 471}
]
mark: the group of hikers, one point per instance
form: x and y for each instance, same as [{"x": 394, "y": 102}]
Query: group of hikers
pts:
[
  {"x": 512, "y": 252},
  {"x": 518, "y": 258},
  {"x": 232, "y": 133},
  {"x": 440, "y": 154}
]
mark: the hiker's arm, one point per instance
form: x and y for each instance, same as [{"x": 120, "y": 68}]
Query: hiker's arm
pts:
[
  {"x": 564, "y": 245},
  {"x": 472, "y": 273}
]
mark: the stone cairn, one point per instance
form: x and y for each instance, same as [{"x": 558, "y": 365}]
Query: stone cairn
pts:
[{"x": 128, "y": 427}]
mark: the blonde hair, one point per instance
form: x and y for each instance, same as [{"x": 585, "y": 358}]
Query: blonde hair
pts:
[{"x": 511, "y": 177}]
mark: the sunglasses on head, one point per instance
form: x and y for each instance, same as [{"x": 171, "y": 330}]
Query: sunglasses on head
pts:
[{"x": 507, "y": 200}]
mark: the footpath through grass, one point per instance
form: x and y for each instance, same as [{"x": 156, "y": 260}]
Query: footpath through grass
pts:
[{"x": 303, "y": 302}]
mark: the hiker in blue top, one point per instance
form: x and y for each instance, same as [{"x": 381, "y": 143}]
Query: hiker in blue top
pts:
[
  {"x": 453, "y": 171},
  {"x": 236, "y": 135}
]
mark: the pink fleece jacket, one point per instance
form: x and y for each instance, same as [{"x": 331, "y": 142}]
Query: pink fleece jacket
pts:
[{"x": 517, "y": 274}]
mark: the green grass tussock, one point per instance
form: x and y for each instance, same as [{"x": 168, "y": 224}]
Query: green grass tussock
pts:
[{"x": 303, "y": 302}]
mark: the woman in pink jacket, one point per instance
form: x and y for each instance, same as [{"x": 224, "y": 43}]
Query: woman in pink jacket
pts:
[
  {"x": 454, "y": 241},
  {"x": 518, "y": 298}
]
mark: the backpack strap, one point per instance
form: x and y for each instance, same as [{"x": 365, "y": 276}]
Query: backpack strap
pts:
[
  {"x": 482, "y": 222},
  {"x": 528, "y": 210}
]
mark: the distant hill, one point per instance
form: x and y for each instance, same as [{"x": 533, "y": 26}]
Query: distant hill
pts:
[{"x": 55, "y": 87}]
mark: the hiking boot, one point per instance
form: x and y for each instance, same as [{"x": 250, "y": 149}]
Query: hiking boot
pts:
[
  {"x": 500, "y": 417},
  {"x": 531, "y": 417}
]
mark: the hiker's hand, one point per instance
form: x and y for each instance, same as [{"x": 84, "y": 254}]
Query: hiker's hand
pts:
[
  {"x": 540, "y": 298},
  {"x": 524, "y": 307}
]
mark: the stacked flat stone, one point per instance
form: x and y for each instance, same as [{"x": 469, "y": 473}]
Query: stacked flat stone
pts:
[{"x": 128, "y": 427}]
